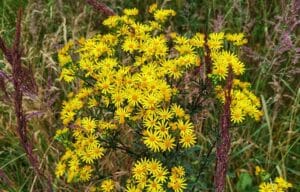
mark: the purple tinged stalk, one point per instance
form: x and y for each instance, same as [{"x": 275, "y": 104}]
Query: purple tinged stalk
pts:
[
  {"x": 223, "y": 146},
  {"x": 19, "y": 78},
  {"x": 101, "y": 7}
]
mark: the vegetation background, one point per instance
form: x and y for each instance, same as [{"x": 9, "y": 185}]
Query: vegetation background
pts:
[{"x": 272, "y": 56}]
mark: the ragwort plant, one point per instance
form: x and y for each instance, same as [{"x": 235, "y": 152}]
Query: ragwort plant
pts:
[
  {"x": 125, "y": 107},
  {"x": 267, "y": 185}
]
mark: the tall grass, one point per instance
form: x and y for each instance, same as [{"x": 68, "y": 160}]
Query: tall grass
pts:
[{"x": 272, "y": 56}]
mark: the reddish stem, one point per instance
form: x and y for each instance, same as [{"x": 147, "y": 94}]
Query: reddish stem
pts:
[
  {"x": 13, "y": 56},
  {"x": 223, "y": 146},
  {"x": 101, "y": 7}
]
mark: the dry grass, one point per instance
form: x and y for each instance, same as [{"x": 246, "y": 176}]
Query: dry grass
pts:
[{"x": 272, "y": 55}]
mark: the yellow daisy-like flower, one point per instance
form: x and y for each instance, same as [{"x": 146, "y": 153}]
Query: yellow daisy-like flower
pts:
[
  {"x": 85, "y": 173},
  {"x": 178, "y": 171},
  {"x": 237, "y": 115},
  {"x": 215, "y": 40},
  {"x": 282, "y": 183},
  {"x": 130, "y": 45},
  {"x": 107, "y": 185},
  {"x": 187, "y": 140},
  {"x": 60, "y": 169},
  {"x": 177, "y": 184},
  {"x": 140, "y": 168},
  {"x": 152, "y": 140},
  {"x": 162, "y": 14},
  {"x": 67, "y": 74},
  {"x": 259, "y": 170},
  {"x": 89, "y": 124},
  {"x": 130, "y": 12},
  {"x": 121, "y": 114},
  {"x": 154, "y": 186},
  {"x": 177, "y": 110},
  {"x": 111, "y": 21},
  {"x": 269, "y": 187},
  {"x": 152, "y": 8},
  {"x": 168, "y": 143},
  {"x": 197, "y": 40},
  {"x": 238, "y": 39}
]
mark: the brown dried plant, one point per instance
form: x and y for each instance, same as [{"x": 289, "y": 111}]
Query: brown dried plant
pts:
[{"x": 23, "y": 84}]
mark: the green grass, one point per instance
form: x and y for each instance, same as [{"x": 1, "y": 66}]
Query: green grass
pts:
[{"x": 272, "y": 143}]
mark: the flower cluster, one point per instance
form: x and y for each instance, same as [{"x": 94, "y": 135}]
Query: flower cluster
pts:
[
  {"x": 125, "y": 97},
  {"x": 125, "y": 82},
  {"x": 107, "y": 185},
  {"x": 278, "y": 185},
  {"x": 244, "y": 102},
  {"x": 151, "y": 175}
]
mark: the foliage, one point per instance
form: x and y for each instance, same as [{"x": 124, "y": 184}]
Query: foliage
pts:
[
  {"x": 272, "y": 57},
  {"x": 126, "y": 97}
]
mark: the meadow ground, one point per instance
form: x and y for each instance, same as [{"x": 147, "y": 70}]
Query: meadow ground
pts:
[{"x": 272, "y": 58}]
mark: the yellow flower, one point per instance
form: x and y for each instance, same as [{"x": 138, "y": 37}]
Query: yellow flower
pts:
[
  {"x": 150, "y": 102},
  {"x": 87, "y": 156},
  {"x": 155, "y": 46},
  {"x": 282, "y": 183},
  {"x": 130, "y": 12},
  {"x": 121, "y": 114},
  {"x": 177, "y": 184},
  {"x": 269, "y": 187},
  {"x": 197, "y": 40},
  {"x": 64, "y": 59},
  {"x": 215, "y": 40},
  {"x": 184, "y": 127},
  {"x": 67, "y": 75},
  {"x": 117, "y": 98},
  {"x": 162, "y": 128},
  {"x": 160, "y": 175},
  {"x": 140, "y": 169},
  {"x": 89, "y": 124},
  {"x": 152, "y": 140},
  {"x": 184, "y": 49},
  {"x": 177, "y": 172},
  {"x": 92, "y": 102},
  {"x": 153, "y": 186},
  {"x": 259, "y": 170},
  {"x": 181, "y": 40},
  {"x": 74, "y": 163},
  {"x": 153, "y": 166},
  {"x": 187, "y": 139},
  {"x": 85, "y": 173},
  {"x": 162, "y": 14},
  {"x": 238, "y": 39},
  {"x": 130, "y": 45},
  {"x": 60, "y": 169},
  {"x": 111, "y": 21},
  {"x": 177, "y": 110},
  {"x": 132, "y": 188},
  {"x": 150, "y": 121},
  {"x": 152, "y": 8},
  {"x": 72, "y": 174},
  {"x": 104, "y": 85},
  {"x": 133, "y": 96},
  {"x": 237, "y": 115},
  {"x": 107, "y": 185}
]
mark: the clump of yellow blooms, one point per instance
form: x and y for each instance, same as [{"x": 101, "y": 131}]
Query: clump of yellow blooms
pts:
[
  {"x": 123, "y": 78},
  {"x": 125, "y": 82},
  {"x": 108, "y": 185},
  {"x": 278, "y": 185},
  {"x": 243, "y": 101},
  {"x": 151, "y": 175}
]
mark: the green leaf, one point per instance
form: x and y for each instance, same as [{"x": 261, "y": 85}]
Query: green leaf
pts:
[{"x": 244, "y": 183}]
